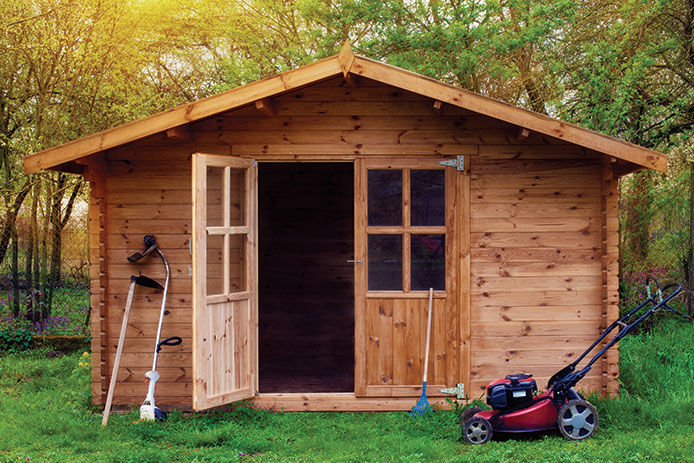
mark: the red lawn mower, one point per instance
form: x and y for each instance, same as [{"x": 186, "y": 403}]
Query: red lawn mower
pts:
[{"x": 517, "y": 407}]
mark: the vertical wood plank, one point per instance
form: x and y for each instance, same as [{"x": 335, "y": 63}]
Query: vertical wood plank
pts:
[
  {"x": 451, "y": 306},
  {"x": 385, "y": 363},
  {"x": 399, "y": 341},
  {"x": 374, "y": 306},
  {"x": 242, "y": 336},
  {"x": 200, "y": 324},
  {"x": 360, "y": 277},
  {"x": 252, "y": 366},
  {"x": 438, "y": 343},
  {"x": 464, "y": 308},
  {"x": 414, "y": 341},
  {"x": 406, "y": 238},
  {"x": 226, "y": 218}
]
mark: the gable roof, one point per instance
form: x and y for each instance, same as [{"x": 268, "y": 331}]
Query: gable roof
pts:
[{"x": 345, "y": 63}]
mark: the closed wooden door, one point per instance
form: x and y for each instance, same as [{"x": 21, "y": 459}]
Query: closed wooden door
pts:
[
  {"x": 224, "y": 280},
  {"x": 405, "y": 243}
]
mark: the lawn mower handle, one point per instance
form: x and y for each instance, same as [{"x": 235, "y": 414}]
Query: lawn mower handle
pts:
[{"x": 566, "y": 378}]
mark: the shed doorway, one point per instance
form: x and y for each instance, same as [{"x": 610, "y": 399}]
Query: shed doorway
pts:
[{"x": 306, "y": 284}]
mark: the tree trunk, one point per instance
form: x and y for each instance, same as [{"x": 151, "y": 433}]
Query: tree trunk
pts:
[
  {"x": 43, "y": 250},
  {"x": 58, "y": 222},
  {"x": 14, "y": 269},
  {"x": 11, "y": 218},
  {"x": 29, "y": 260}
]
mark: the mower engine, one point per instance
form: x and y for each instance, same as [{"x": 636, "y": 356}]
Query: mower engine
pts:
[{"x": 511, "y": 391}]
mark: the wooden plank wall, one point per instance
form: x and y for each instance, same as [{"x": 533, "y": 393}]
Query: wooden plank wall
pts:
[
  {"x": 537, "y": 288},
  {"x": 149, "y": 191}
]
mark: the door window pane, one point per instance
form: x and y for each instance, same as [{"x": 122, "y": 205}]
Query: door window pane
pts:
[
  {"x": 215, "y": 204},
  {"x": 237, "y": 263},
  {"x": 237, "y": 214},
  {"x": 385, "y": 262},
  {"x": 428, "y": 197},
  {"x": 215, "y": 264},
  {"x": 385, "y": 197},
  {"x": 428, "y": 262}
]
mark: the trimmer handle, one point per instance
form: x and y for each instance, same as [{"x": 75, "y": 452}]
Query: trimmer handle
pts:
[
  {"x": 149, "y": 241},
  {"x": 170, "y": 341}
]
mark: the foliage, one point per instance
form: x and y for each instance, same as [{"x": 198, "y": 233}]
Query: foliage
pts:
[
  {"x": 45, "y": 415},
  {"x": 623, "y": 67},
  {"x": 14, "y": 339}
]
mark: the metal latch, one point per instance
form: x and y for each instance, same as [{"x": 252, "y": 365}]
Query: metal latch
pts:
[
  {"x": 459, "y": 391},
  {"x": 458, "y": 162}
]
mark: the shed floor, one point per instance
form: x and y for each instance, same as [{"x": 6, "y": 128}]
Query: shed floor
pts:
[{"x": 306, "y": 297}]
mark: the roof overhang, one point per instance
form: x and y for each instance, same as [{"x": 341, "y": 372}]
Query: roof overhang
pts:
[{"x": 347, "y": 64}]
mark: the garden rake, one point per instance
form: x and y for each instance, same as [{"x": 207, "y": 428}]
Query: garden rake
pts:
[{"x": 422, "y": 406}]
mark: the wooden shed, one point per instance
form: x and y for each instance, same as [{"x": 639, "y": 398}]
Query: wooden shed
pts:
[{"x": 306, "y": 215}]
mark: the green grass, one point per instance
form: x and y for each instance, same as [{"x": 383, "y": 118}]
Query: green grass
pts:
[{"x": 45, "y": 416}]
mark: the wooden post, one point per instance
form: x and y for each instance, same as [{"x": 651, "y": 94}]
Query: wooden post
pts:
[
  {"x": 610, "y": 270},
  {"x": 96, "y": 174}
]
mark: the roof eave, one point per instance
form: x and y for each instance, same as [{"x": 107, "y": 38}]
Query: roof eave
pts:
[
  {"x": 184, "y": 114},
  {"x": 491, "y": 107},
  {"x": 344, "y": 63}
]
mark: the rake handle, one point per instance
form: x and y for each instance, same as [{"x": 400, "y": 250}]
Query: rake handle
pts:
[
  {"x": 119, "y": 351},
  {"x": 426, "y": 355}
]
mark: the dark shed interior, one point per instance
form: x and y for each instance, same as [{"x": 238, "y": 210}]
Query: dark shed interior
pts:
[{"x": 306, "y": 298}]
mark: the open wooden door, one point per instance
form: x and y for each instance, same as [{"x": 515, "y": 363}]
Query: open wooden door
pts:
[{"x": 224, "y": 280}]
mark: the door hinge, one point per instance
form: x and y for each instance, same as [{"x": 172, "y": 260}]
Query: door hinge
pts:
[
  {"x": 458, "y": 162},
  {"x": 459, "y": 391}
]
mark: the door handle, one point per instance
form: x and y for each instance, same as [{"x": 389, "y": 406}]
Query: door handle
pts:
[{"x": 354, "y": 261}]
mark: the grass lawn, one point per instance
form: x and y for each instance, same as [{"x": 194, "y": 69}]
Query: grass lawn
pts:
[{"x": 45, "y": 416}]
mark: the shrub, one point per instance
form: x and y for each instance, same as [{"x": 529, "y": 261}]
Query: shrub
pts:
[{"x": 15, "y": 339}]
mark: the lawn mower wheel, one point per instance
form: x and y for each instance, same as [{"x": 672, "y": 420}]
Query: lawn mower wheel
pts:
[
  {"x": 477, "y": 430},
  {"x": 577, "y": 419}
]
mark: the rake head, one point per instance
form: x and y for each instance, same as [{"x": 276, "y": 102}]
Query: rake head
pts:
[{"x": 422, "y": 406}]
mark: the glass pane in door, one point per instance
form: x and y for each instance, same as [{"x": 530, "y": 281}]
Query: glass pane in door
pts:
[
  {"x": 385, "y": 262},
  {"x": 385, "y": 197},
  {"x": 237, "y": 199},
  {"x": 428, "y": 198},
  {"x": 215, "y": 264},
  {"x": 428, "y": 265},
  {"x": 237, "y": 263},
  {"x": 215, "y": 196}
]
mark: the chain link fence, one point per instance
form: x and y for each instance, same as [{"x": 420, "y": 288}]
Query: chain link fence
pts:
[{"x": 44, "y": 277}]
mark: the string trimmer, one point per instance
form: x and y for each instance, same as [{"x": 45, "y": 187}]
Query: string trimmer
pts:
[{"x": 149, "y": 410}]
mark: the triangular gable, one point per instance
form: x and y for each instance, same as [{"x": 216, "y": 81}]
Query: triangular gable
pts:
[{"x": 345, "y": 63}]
